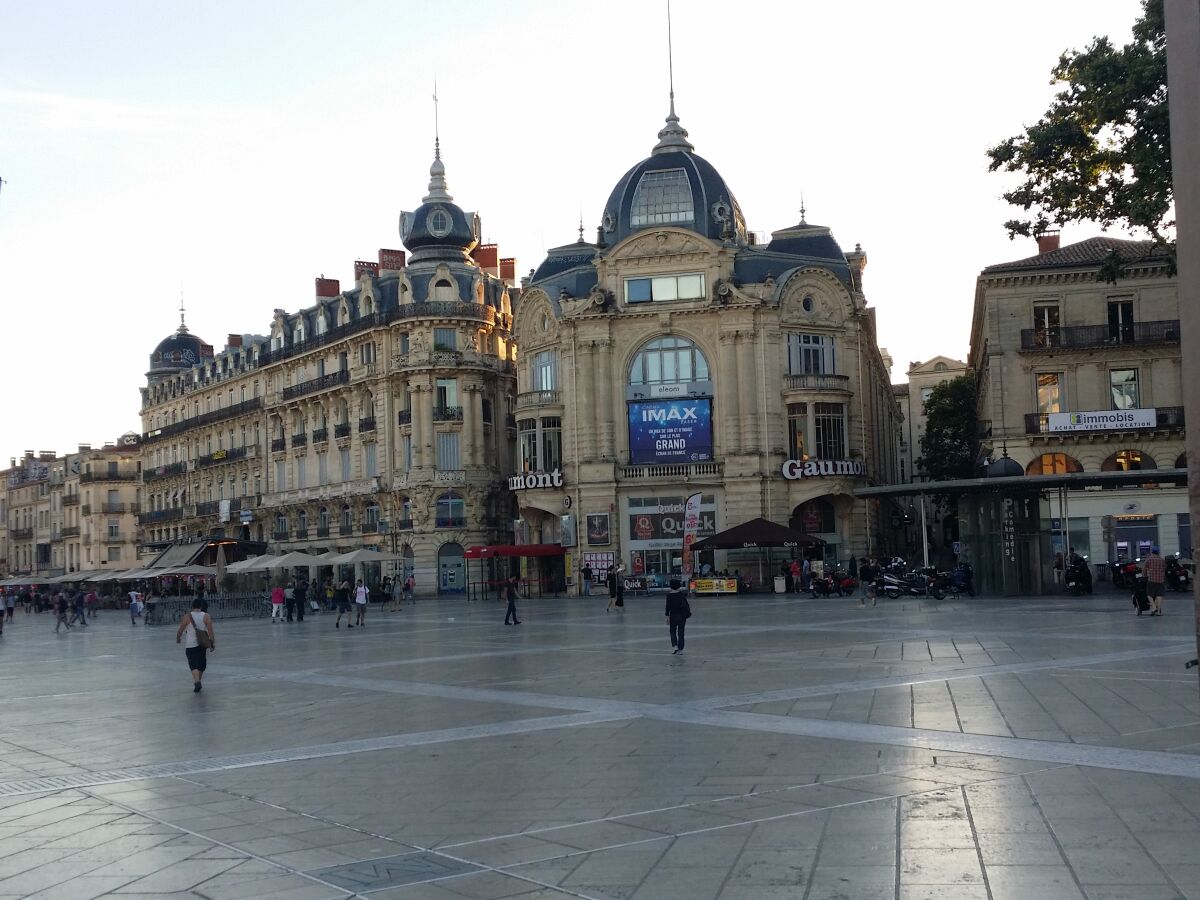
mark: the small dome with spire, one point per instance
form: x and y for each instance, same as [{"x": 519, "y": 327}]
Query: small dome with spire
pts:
[
  {"x": 181, "y": 350},
  {"x": 438, "y": 228}
]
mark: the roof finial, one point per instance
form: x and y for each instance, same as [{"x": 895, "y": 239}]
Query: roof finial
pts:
[
  {"x": 183, "y": 329},
  {"x": 673, "y": 136},
  {"x": 581, "y": 226},
  {"x": 802, "y": 210},
  {"x": 437, "y": 171}
]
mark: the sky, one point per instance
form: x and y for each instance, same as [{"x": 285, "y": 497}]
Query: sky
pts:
[{"x": 230, "y": 151}]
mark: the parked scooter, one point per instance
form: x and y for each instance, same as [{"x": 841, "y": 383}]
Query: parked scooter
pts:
[
  {"x": 962, "y": 579},
  {"x": 1078, "y": 578},
  {"x": 914, "y": 584},
  {"x": 1123, "y": 572},
  {"x": 1178, "y": 577}
]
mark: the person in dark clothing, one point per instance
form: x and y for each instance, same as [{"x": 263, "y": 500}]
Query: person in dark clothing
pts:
[
  {"x": 677, "y": 612},
  {"x": 62, "y": 609},
  {"x": 789, "y": 583},
  {"x": 301, "y": 599},
  {"x": 510, "y": 593},
  {"x": 79, "y": 609}
]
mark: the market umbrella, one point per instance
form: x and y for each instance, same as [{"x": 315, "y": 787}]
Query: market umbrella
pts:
[
  {"x": 295, "y": 558},
  {"x": 253, "y": 564},
  {"x": 363, "y": 556},
  {"x": 756, "y": 533},
  {"x": 189, "y": 570},
  {"x": 220, "y": 566}
]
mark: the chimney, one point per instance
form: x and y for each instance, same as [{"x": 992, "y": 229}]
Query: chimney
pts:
[
  {"x": 363, "y": 267},
  {"x": 85, "y": 448},
  {"x": 234, "y": 341},
  {"x": 508, "y": 270},
  {"x": 1047, "y": 240},
  {"x": 391, "y": 260},
  {"x": 327, "y": 287},
  {"x": 486, "y": 256}
]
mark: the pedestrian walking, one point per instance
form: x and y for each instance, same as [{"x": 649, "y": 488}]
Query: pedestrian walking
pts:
[
  {"x": 361, "y": 597},
  {"x": 301, "y": 598},
  {"x": 409, "y": 589},
  {"x": 62, "y": 609},
  {"x": 342, "y": 597},
  {"x": 135, "y": 606},
  {"x": 1155, "y": 570},
  {"x": 289, "y": 600},
  {"x": 277, "y": 601},
  {"x": 867, "y": 573},
  {"x": 510, "y": 594},
  {"x": 678, "y": 611},
  {"x": 10, "y": 602},
  {"x": 79, "y": 608},
  {"x": 316, "y": 594},
  {"x": 586, "y": 576},
  {"x": 196, "y": 632},
  {"x": 797, "y": 575}
]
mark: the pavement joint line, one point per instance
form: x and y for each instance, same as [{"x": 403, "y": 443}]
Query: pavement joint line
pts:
[
  {"x": 821, "y": 690},
  {"x": 338, "y": 891}
]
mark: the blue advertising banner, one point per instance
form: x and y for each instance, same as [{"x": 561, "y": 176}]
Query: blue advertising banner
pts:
[{"x": 670, "y": 431}]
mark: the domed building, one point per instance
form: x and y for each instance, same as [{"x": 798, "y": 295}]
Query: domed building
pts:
[
  {"x": 678, "y": 354},
  {"x": 378, "y": 416}
]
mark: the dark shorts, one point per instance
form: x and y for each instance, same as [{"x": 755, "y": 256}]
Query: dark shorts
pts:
[
  {"x": 343, "y": 607},
  {"x": 1154, "y": 588},
  {"x": 197, "y": 658}
]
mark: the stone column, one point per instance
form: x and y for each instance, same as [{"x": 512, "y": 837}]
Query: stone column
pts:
[
  {"x": 470, "y": 425},
  {"x": 583, "y": 402},
  {"x": 479, "y": 457},
  {"x": 727, "y": 394},
  {"x": 746, "y": 385},
  {"x": 426, "y": 407},
  {"x": 604, "y": 392}
]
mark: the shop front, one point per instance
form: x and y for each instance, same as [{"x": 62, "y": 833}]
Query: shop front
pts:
[{"x": 655, "y": 543}]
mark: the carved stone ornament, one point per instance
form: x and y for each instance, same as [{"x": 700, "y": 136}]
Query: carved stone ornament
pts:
[{"x": 662, "y": 243}]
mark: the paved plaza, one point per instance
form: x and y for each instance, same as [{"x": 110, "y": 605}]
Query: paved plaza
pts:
[{"x": 1019, "y": 749}]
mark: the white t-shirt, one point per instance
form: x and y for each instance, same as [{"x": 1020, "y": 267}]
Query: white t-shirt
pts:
[
  {"x": 189, "y": 636},
  {"x": 360, "y": 594}
]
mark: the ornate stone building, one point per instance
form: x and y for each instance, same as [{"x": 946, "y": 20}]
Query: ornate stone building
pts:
[
  {"x": 380, "y": 415},
  {"x": 1077, "y": 375},
  {"x": 678, "y": 354}
]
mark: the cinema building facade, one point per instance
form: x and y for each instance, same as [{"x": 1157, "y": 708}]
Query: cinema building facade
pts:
[{"x": 679, "y": 354}]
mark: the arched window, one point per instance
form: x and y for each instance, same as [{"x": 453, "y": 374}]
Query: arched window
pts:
[
  {"x": 668, "y": 360},
  {"x": 1128, "y": 461},
  {"x": 322, "y": 521},
  {"x": 662, "y": 197},
  {"x": 347, "y": 518},
  {"x": 1181, "y": 461},
  {"x": 405, "y": 513},
  {"x": 1053, "y": 464},
  {"x": 451, "y": 511},
  {"x": 443, "y": 289},
  {"x": 302, "y": 521},
  {"x": 372, "y": 519},
  {"x": 281, "y": 526},
  {"x": 814, "y": 517}
]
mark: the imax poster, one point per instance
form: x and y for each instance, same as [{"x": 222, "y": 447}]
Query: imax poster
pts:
[{"x": 670, "y": 431}]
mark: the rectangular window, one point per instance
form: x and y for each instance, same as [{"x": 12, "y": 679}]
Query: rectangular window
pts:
[
  {"x": 810, "y": 354},
  {"x": 1120, "y": 320},
  {"x": 406, "y": 452},
  {"x": 369, "y": 470},
  {"x": 1049, "y": 392},
  {"x": 344, "y": 452},
  {"x": 302, "y": 472},
  {"x": 1123, "y": 384},
  {"x": 664, "y": 287},
  {"x": 280, "y": 475},
  {"x": 551, "y": 443},
  {"x": 366, "y": 353},
  {"x": 114, "y": 554},
  {"x": 322, "y": 468},
  {"x": 404, "y": 342},
  {"x": 544, "y": 371},
  {"x": 114, "y": 528},
  {"x": 1046, "y": 324},
  {"x": 797, "y": 431},
  {"x": 527, "y": 434},
  {"x": 447, "y": 451},
  {"x": 447, "y": 393},
  {"x": 445, "y": 339},
  {"x": 829, "y": 430}
]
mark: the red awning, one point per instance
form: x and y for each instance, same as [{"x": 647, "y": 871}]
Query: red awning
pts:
[{"x": 514, "y": 550}]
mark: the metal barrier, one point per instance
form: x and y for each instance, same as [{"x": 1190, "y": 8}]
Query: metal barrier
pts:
[{"x": 220, "y": 606}]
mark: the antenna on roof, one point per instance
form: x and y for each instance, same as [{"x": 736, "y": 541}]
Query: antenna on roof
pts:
[
  {"x": 437, "y": 142},
  {"x": 670, "y": 59}
]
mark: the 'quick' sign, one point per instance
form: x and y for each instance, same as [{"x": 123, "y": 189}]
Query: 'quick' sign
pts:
[{"x": 795, "y": 469}]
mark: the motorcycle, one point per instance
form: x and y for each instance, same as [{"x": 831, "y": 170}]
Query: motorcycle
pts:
[
  {"x": 1124, "y": 573},
  {"x": 1077, "y": 579},
  {"x": 915, "y": 584},
  {"x": 962, "y": 580},
  {"x": 1178, "y": 577}
]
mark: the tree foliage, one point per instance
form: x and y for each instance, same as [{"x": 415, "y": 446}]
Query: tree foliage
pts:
[
  {"x": 948, "y": 446},
  {"x": 1101, "y": 152}
]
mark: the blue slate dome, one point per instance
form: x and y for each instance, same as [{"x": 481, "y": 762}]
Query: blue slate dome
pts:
[
  {"x": 438, "y": 228},
  {"x": 182, "y": 350},
  {"x": 673, "y": 187}
]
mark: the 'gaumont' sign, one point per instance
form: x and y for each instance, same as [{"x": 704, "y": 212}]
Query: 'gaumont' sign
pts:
[
  {"x": 533, "y": 480},
  {"x": 1102, "y": 420},
  {"x": 795, "y": 469}
]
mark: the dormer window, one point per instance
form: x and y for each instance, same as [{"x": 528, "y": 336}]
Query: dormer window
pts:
[
  {"x": 439, "y": 223},
  {"x": 663, "y": 198}
]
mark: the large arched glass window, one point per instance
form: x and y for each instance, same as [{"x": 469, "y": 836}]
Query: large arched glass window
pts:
[
  {"x": 1053, "y": 464},
  {"x": 668, "y": 360},
  {"x": 1128, "y": 461},
  {"x": 661, "y": 198}
]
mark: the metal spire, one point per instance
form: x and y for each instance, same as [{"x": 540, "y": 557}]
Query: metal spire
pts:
[
  {"x": 183, "y": 329},
  {"x": 581, "y": 226},
  {"x": 673, "y": 136},
  {"x": 437, "y": 171},
  {"x": 802, "y": 210}
]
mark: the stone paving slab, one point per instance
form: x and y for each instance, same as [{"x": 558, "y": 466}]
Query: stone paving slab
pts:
[{"x": 799, "y": 749}]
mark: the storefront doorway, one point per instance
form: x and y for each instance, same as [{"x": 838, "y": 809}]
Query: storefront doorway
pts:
[{"x": 452, "y": 569}]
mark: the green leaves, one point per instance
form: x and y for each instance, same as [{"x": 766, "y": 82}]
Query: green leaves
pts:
[
  {"x": 948, "y": 446},
  {"x": 1101, "y": 152}
]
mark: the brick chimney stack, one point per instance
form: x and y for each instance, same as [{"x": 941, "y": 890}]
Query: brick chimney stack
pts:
[
  {"x": 391, "y": 260},
  {"x": 1048, "y": 240},
  {"x": 234, "y": 341},
  {"x": 508, "y": 270},
  {"x": 487, "y": 257},
  {"x": 327, "y": 287},
  {"x": 365, "y": 267}
]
